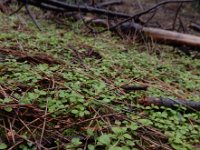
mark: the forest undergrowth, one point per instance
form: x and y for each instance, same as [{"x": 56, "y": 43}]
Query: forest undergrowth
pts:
[{"x": 61, "y": 88}]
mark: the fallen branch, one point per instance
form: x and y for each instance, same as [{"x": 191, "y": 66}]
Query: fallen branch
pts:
[
  {"x": 109, "y": 3},
  {"x": 53, "y": 4},
  {"x": 155, "y": 34},
  {"x": 172, "y": 37},
  {"x": 31, "y": 15},
  {"x": 163, "y": 36},
  {"x": 167, "y": 102}
]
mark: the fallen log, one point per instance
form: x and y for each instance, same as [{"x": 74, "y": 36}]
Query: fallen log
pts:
[
  {"x": 155, "y": 34},
  {"x": 172, "y": 37},
  {"x": 167, "y": 102},
  {"x": 163, "y": 36}
]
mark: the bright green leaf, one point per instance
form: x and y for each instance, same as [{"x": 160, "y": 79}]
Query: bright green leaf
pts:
[
  {"x": 128, "y": 136},
  {"x": 104, "y": 139},
  {"x": 3, "y": 146},
  {"x": 145, "y": 122},
  {"x": 133, "y": 126}
]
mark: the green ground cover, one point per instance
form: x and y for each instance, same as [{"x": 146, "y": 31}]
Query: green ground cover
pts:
[{"x": 81, "y": 99}]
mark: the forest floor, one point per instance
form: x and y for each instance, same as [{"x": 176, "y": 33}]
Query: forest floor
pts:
[{"x": 62, "y": 89}]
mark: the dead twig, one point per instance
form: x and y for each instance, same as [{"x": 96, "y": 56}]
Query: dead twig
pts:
[
  {"x": 109, "y": 3},
  {"x": 44, "y": 123},
  {"x": 176, "y": 15},
  {"x": 18, "y": 9},
  {"x": 31, "y": 15}
]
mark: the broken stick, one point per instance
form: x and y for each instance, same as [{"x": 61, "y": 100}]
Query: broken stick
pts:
[{"x": 167, "y": 102}]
